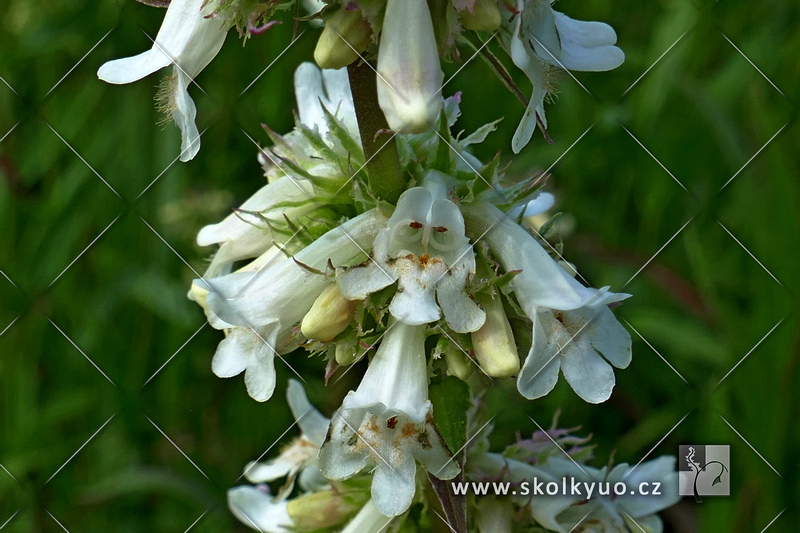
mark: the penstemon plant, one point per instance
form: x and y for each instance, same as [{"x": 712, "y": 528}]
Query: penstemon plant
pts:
[{"x": 380, "y": 236}]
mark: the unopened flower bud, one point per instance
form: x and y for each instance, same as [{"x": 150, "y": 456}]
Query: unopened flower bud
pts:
[
  {"x": 345, "y": 36},
  {"x": 494, "y": 344},
  {"x": 458, "y": 364},
  {"x": 321, "y": 510},
  {"x": 329, "y": 315},
  {"x": 485, "y": 16},
  {"x": 409, "y": 74}
]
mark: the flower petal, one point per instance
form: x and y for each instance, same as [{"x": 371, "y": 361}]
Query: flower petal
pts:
[
  {"x": 393, "y": 485},
  {"x": 258, "y": 510},
  {"x": 587, "y": 46},
  {"x": 134, "y": 68},
  {"x": 539, "y": 373},
  {"x": 589, "y": 375},
  {"x": 609, "y": 338},
  {"x": 312, "y": 423},
  {"x": 343, "y": 454},
  {"x": 184, "y": 113}
]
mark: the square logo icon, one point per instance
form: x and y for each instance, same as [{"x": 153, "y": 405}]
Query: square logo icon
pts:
[{"x": 704, "y": 470}]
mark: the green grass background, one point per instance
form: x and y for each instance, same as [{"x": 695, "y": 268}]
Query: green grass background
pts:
[{"x": 703, "y": 303}]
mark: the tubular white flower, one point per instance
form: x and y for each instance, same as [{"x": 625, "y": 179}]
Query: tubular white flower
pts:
[
  {"x": 188, "y": 39},
  {"x": 424, "y": 248},
  {"x": 368, "y": 520},
  {"x": 257, "y": 509},
  {"x": 409, "y": 74},
  {"x": 388, "y": 419},
  {"x": 260, "y": 306},
  {"x": 315, "y": 88},
  {"x": 581, "y": 343},
  {"x": 543, "y": 37}
]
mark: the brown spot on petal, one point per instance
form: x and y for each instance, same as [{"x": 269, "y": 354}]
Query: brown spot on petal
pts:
[
  {"x": 391, "y": 423},
  {"x": 409, "y": 430},
  {"x": 423, "y": 441},
  {"x": 423, "y": 260},
  {"x": 353, "y": 440},
  {"x": 415, "y": 225},
  {"x": 439, "y": 229}
]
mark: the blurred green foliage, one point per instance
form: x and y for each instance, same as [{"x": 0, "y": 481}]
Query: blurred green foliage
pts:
[{"x": 129, "y": 216}]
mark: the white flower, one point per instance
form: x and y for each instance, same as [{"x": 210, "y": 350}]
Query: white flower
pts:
[
  {"x": 543, "y": 38},
  {"x": 409, "y": 74},
  {"x": 301, "y": 456},
  {"x": 256, "y": 508},
  {"x": 579, "y": 342},
  {"x": 572, "y": 324},
  {"x": 388, "y": 419},
  {"x": 315, "y": 88},
  {"x": 368, "y": 520},
  {"x": 611, "y": 513},
  {"x": 424, "y": 248},
  {"x": 188, "y": 39},
  {"x": 260, "y": 305}
]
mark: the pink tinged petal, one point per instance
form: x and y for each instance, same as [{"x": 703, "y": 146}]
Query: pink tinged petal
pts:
[
  {"x": 539, "y": 373},
  {"x": 258, "y": 510},
  {"x": 312, "y": 423}
]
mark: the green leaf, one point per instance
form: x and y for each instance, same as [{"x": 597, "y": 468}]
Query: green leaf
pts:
[{"x": 451, "y": 401}]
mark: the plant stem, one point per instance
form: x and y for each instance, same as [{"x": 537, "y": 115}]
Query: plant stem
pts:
[{"x": 384, "y": 173}]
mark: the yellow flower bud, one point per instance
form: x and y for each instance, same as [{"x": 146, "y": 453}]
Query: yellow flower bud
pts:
[
  {"x": 346, "y": 34},
  {"x": 321, "y": 510},
  {"x": 494, "y": 344},
  {"x": 329, "y": 315},
  {"x": 458, "y": 364},
  {"x": 485, "y": 16}
]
